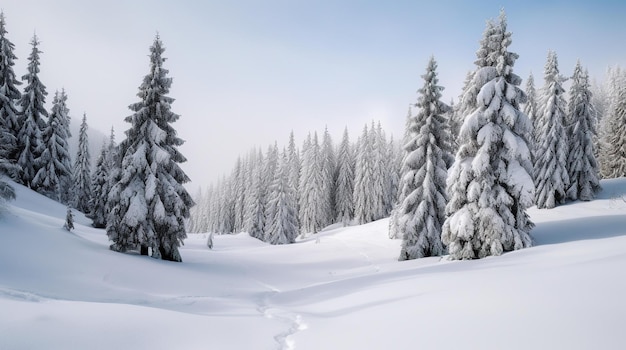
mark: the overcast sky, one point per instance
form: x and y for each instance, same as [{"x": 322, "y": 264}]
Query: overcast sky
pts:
[{"x": 246, "y": 73}]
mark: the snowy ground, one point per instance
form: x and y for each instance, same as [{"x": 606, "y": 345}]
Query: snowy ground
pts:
[{"x": 340, "y": 289}]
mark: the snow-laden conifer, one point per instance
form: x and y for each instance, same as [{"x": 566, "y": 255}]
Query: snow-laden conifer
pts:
[
  {"x": 312, "y": 192},
  {"x": 329, "y": 174},
  {"x": 489, "y": 184},
  {"x": 581, "y": 162},
  {"x": 294, "y": 172},
  {"x": 54, "y": 178},
  {"x": 153, "y": 203},
  {"x": 423, "y": 182},
  {"x": 100, "y": 187},
  {"x": 530, "y": 107},
  {"x": 82, "y": 171},
  {"x": 550, "y": 171},
  {"x": 282, "y": 226},
  {"x": 344, "y": 200},
  {"x": 9, "y": 99},
  {"x": 239, "y": 195},
  {"x": 363, "y": 179},
  {"x": 31, "y": 120},
  {"x": 614, "y": 144},
  {"x": 255, "y": 210}
]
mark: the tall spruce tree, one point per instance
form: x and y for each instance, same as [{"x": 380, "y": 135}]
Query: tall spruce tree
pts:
[
  {"x": 363, "y": 179},
  {"x": 344, "y": 199},
  {"x": 255, "y": 211},
  {"x": 282, "y": 226},
  {"x": 614, "y": 144},
  {"x": 31, "y": 120},
  {"x": 550, "y": 172},
  {"x": 82, "y": 171},
  {"x": 423, "y": 182},
  {"x": 9, "y": 99},
  {"x": 55, "y": 169},
  {"x": 489, "y": 184},
  {"x": 153, "y": 203},
  {"x": 312, "y": 192},
  {"x": 581, "y": 161},
  {"x": 100, "y": 187},
  {"x": 329, "y": 174}
]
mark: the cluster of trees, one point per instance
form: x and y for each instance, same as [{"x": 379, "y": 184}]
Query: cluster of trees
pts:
[
  {"x": 34, "y": 147},
  {"x": 514, "y": 149},
  {"x": 279, "y": 195},
  {"x": 136, "y": 190}
]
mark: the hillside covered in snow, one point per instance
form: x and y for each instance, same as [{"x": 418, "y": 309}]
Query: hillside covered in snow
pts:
[{"x": 342, "y": 288}]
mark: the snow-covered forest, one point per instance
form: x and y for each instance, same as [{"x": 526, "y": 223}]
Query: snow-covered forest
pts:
[{"x": 302, "y": 232}]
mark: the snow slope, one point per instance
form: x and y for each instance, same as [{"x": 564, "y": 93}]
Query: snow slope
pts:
[{"x": 340, "y": 289}]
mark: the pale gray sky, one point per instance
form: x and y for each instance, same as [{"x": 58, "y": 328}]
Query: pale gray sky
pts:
[{"x": 246, "y": 73}]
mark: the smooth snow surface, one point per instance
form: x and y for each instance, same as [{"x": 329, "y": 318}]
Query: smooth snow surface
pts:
[{"x": 340, "y": 289}]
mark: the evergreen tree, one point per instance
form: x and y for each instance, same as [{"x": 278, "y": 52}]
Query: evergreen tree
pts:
[
  {"x": 344, "y": 200},
  {"x": 550, "y": 173},
  {"x": 153, "y": 203},
  {"x": 581, "y": 160},
  {"x": 55, "y": 170},
  {"x": 614, "y": 162},
  {"x": 255, "y": 210},
  {"x": 82, "y": 171},
  {"x": 422, "y": 213},
  {"x": 69, "y": 220},
  {"x": 530, "y": 107},
  {"x": 329, "y": 174},
  {"x": 239, "y": 195},
  {"x": 282, "y": 225},
  {"x": 363, "y": 180},
  {"x": 312, "y": 192},
  {"x": 489, "y": 184},
  {"x": 100, "y": 188},
  {"x": 9, "y": 98},
  {"x": 31, "y": 121},
  {"x": 294, "y": 172},
  {"x": 269, "y": 175}
]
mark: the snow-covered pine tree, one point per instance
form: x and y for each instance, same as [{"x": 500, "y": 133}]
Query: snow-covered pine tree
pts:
[
  {"x": 363, "y": 179},
  {"x": 294, "y": 172},
  {"x": 82, "y": 171},
  {"x": 329, "y": 174},
  {"x": 423, "y": 182},
  {"x": 282, "y": 227},
  {"x": 550, "y": 171},
  {"x": 100, "y": 187},
  {"x": 454, "y": 125},
  {"x": 344, "y": 200},
  {"x": 394, "y": 232},
  {"x": 153, "y": 203},
  {"x": 69, "y": 219},
  {"x": 239, "y": 193},
  {"x": 255, "y": 210},
  {"x": 614, "y": 144},
  {"x": 31, "y": 120},
  {"x": 9, "y": 98},
  {"x": 312, "y": 193},
  {"x": 581, "y": 161},
  {"x": 530, "y": 107},
  {"x": 270, "y": 168},
  {"x": 55, "y": 169},
  {"x": 489, "y": 184}
]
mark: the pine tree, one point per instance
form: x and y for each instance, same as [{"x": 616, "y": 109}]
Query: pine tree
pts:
[
  {"x": 614, "y": 161},
  {"x": 153, "y": 204},
  {"x": 581, "y": 162},
  {"x": 69, "y": 220},
  {"x": 530, "y": 107},
  {"x": 363, "y": 180},
  {"x": 344, "y": 200},
  {"x": 422, "y": 212},
  {"x": 55, "y": 171},
  {"x": 255, "y": 210},
  {"x": 294, "y": 172},
  {"x": 312, "y": 193},
  {"x": 82, "y": 171},
  {"x": 269, "y": 175},
  {"x": 282, "y": 226},
  {"x": 550, "y": 172},
  {"x": 329, "y": 174},
  {"x": 100, "y": 188},
  {"x": 489, "y": 184},
  {"x": 31, "y": 120},
  {"x": 239, "y": 193},
  {"x": 9, "y": 98}
]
